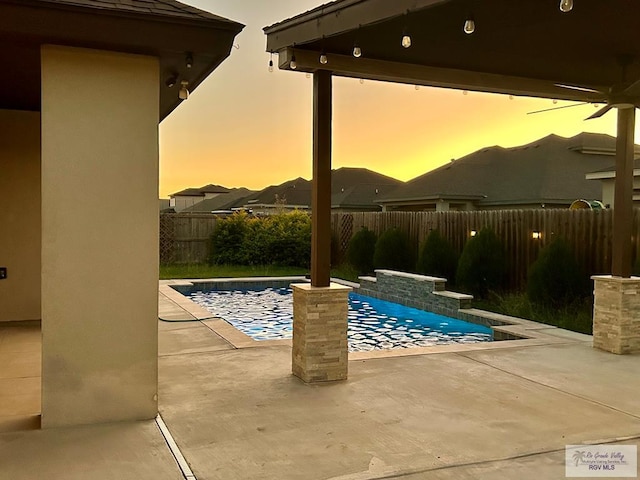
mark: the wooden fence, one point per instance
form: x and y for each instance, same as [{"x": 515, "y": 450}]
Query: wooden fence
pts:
[{"x": 185, "y": 238}]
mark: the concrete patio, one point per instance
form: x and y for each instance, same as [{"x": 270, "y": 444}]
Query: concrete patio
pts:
[{"x": 238, "y": 413}]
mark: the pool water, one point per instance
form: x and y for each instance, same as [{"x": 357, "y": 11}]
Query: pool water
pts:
[{"x": 266, "y": 314}]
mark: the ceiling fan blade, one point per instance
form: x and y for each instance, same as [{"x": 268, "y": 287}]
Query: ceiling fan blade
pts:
[
  {"x": 576, "y": 87},
  {"x": 558, "y": 108},
  {"x": 633, "y": 89},
  {"x": 600, "y": 112}
]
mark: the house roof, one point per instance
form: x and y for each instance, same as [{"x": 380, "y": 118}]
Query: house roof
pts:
[
  {"x": 164, "y": 8},
  {"x": 292, "y": 192},
  {"x": 200, "y": 192},
  {"x": 549, "y": 170},
  {"x": 166, "y": 29},
  {"x": 226, "y": 201},
  {"x": 351, "y": 187}
]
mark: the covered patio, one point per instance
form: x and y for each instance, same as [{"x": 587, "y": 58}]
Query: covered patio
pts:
[
  {"x": 587, "y": 53},
  {"x": 86, "y": 86},
  {"x": 494, "y": 413}
]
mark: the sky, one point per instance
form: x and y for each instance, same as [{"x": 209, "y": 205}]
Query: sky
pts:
[{"x": 246, "y": 127}]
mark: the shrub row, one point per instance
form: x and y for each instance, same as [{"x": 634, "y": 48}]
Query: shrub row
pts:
[
  {"x": 555, "y": 279},
  {"x": 283, "y": 239}
]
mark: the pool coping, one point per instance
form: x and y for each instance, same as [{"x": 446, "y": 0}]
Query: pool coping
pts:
[{"x": 525, "y": 333}]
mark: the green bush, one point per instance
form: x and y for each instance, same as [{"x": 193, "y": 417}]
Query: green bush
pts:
[
  {"x": 482, "y": 265},
  {"x": 393, "y": 251},
  {"x": 227, "y": 240},
  {"x": 361, "y": 249},
  {"x": 437, "y": 257},
  {"x": 288, "y": 237},
  {"x": 555, "y": 278},
  {"x": 283, "y": 239}
]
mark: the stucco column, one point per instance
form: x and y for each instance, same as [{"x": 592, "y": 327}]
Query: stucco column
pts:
[
  {"x": 99, "y": 236},
  {"x": 616, "y": 314}
]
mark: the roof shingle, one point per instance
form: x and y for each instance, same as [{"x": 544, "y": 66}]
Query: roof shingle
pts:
[{"x": 166, "y": 8}]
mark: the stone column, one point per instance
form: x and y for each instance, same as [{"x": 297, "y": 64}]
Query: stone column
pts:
[
  {"x": 320, "y": 350},
  {"x": 616, "y": 314}
]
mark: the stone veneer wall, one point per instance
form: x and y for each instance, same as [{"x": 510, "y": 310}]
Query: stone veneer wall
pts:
[
  {"x": 319, "y": 345},
  {"x": 616, "y": 315},
  {"x": 417, "y": 291}
]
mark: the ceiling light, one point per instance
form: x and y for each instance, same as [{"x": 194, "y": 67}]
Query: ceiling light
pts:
[
  {"x": 171, "y": 80},
  {"x": 406, "y": 39},
  {"x": 566, "y": 5},
  {"x": 270, "y": 62},
  {"x": 184, "y": 91},
  {"x": 357, "y": 51},
  {"x": 323, "y": 58},
  {"x": 469, "y": 26},
  {"x": 293, "y": 64}
]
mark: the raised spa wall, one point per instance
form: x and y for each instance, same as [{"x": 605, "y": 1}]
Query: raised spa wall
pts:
[{"x": 430, "y": 294}]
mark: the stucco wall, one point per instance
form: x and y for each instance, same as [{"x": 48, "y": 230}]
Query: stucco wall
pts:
[
  {"x": 20, "y": 215},
  {"x": 99, "y": 263}
]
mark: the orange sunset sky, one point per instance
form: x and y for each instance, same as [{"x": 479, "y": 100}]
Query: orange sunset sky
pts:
[{"x": 247, "y": 127}]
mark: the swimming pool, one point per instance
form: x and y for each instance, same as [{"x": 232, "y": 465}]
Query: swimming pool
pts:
[{"x": 266, "y": 314}]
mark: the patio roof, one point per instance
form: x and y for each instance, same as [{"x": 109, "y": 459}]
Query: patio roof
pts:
[
  {"x": 529, "y": 47},
  {"x": 520, "y": 48},
  {"x": 166, "y": 29}
]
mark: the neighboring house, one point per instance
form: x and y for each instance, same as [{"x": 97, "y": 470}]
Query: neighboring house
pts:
[
  {"x": 359, "y": 189},
  {"x": 223, "y": 202},
  {"x": 291, "y": 195},
  {"x": 86, "y": 84},
  {"x": 191, "y": 196},
  {"x": 164, "y": 203},
  {"x": 353, "y": 190},
  {"x": 548, "y": 173},
  {"x": 608, "y": 176}
]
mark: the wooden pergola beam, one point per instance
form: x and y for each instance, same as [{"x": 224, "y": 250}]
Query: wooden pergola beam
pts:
[
  {"x": 321, "y": 193},
  {"x": 396, "y": 72},
  {"x": 623, "y": 195}
]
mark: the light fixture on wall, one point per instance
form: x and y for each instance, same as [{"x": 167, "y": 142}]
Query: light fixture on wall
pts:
[
  {"x": 473, "y": 233},
  {"x": 469, "y": 25},
  {"x": 536, "y": 235},
  {"x": 566, "y": 5},
  {"x": 189, "y": 60},
  {"x": 184, "y": 90}
]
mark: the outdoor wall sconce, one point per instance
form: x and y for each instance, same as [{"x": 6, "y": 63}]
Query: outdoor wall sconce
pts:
[
  {"x": 184, "y": 91},
  {"x": 536, "y": 235},
  {"x": 473, "y": 233}
]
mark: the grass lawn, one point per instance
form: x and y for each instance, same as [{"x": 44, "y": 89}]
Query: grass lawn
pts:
[{"x": 168, "y": 272}]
